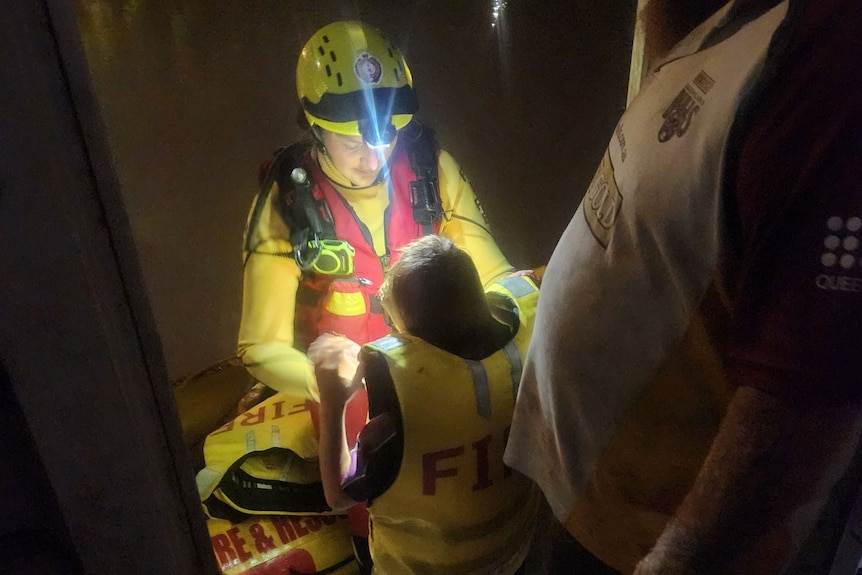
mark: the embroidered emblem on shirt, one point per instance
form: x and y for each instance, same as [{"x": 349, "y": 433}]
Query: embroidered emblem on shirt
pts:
[
  {"x": 602, "y": 202},
  {"x": 621, "y": 142},
  {"x": 368, "y": 69},
  {"x": 678, "y": 116},
  {"x": 841, "y": 255}
]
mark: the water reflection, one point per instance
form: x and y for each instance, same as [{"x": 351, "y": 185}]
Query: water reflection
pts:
[{"x": 497, "y": 9}]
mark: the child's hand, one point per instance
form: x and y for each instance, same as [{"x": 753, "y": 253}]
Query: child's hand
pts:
[{"x": 335, "y": 361}]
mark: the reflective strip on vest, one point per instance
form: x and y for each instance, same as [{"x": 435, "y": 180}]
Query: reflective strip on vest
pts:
[
  {"x": 481, "y": 387},
  {"x": 513, "y": 354}
]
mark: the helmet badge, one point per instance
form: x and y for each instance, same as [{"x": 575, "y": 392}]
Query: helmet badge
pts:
[{"x": 368, "y": 69}]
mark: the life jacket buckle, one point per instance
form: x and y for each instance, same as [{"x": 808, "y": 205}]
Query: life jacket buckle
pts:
[
  {"x": 425, "y": 201},
  {"x": 331, "y": 257}
]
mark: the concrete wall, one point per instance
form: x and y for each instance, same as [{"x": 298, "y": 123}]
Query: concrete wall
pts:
[{"x": 94, "y": 473}]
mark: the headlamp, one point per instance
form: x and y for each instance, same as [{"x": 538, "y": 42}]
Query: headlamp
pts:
[{"x": 377, "y": 133}]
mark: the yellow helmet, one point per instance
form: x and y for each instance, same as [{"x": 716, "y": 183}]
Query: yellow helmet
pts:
[{"x": 351, "y": 80}]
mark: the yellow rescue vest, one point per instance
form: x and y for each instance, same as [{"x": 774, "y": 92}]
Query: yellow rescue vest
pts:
[
  {"x": 277, "y": 545},
  {"x": 264, "y": 462},
  {"x": 454, "y": 507}
]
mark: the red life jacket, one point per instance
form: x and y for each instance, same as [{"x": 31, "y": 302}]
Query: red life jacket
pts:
[{"x": 349, "y": 305}]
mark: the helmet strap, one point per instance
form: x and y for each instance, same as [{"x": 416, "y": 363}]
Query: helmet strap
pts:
[{"x": 318, "y": 138}]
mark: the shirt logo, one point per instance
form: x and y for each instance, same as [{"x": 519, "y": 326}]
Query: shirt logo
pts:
[
  {"x": 841, "y": 258},
  {"x": 368, "y": 69},
  {"x": 602, "y": 202},
  {"x": 678, "y": 116}
]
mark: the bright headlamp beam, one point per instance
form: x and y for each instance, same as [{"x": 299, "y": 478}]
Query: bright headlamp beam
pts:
[{"x": 378, "y": 131}]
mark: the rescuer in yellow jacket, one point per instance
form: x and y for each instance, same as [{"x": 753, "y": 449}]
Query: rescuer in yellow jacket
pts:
[
  {"x": 333, "y": 213},
  {"x": 365, "y": 162},
  {"x": 441, "y": 394}
]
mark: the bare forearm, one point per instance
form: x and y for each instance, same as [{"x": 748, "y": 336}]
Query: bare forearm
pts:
[
  {"x": 760, "y": 489},
  {"x": 339, "y": 377},
  {"x": 334, "y": 455}
]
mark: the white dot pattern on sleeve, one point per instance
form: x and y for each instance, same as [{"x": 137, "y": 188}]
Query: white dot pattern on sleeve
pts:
[{"x": 840, "y": 241}]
